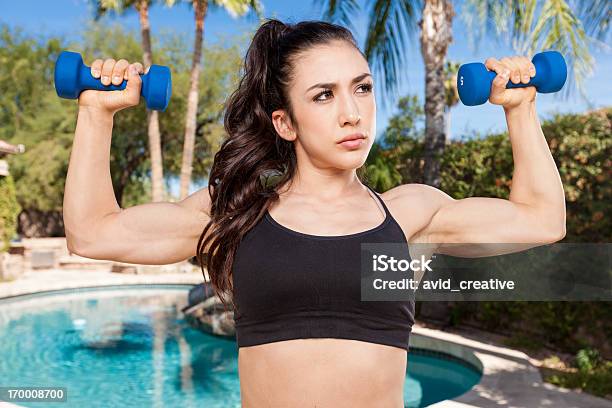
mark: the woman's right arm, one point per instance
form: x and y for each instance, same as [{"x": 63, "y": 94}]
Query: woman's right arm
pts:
[{"x": 96, "y": 226}]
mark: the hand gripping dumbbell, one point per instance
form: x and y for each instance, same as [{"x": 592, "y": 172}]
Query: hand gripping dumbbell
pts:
[
  {"x": 72, "y": 77},
  {"x": 474, "y": 79}
]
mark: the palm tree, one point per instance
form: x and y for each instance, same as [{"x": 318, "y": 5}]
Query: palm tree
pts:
[
  {"x": 451, "y": 94},
  {"x": 566, "y": 25},
  {"x": 235, "y": 8},
  {"x": 142, "y": 6}
]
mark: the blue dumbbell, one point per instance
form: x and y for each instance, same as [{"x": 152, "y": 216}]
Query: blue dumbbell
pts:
[
  {"x": 474, "y": 79},
  {"x": 72, "y": 77}
]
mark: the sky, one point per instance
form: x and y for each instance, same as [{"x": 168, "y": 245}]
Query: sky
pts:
[{"x": 69, "y": 18}]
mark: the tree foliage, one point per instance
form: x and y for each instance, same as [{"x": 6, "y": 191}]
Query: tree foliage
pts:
[
  {"x": 9, "y": 208},
  {"x": 32, "y": 114}
]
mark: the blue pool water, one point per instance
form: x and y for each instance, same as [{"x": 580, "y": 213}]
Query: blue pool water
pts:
[{"x": 130, "y": 346}]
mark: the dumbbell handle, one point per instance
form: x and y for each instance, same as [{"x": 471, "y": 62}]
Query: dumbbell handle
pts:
[
  {"x": 88, "y": 81},
  {"x": 537, "y": 80}
]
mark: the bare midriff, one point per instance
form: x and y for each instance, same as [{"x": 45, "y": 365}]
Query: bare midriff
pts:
[{"x": 322, "y": 373}]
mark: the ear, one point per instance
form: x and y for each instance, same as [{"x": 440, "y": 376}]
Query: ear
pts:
[{"x": 283, "y": 125}]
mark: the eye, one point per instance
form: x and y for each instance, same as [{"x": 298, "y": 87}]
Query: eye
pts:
[
  {"x": 367, "y": 87},
  {"x": 326, "y": 92}
]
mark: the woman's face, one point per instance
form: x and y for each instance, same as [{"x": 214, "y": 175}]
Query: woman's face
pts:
[{"x": 332, "y": 97}]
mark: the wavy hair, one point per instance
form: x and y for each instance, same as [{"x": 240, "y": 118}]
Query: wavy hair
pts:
[{"x": 253, "y": 161}]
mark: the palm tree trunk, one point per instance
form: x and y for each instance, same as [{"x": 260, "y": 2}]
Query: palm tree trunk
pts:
[
  {"x": 447, "y": 116},
  {"x": 200, "y": 7},
  {"x": 157, "y": 172},
  {"x": 436, "y": 35}
]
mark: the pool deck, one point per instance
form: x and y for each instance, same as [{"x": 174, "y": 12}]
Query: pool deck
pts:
[{"x": 510, "y": 378}]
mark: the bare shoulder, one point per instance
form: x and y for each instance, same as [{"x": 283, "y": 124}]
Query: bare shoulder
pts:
[
  {"x": 413, "y": 205},
  {"x": 198, "y": 201},
  {"x": 415, "y": 194}
]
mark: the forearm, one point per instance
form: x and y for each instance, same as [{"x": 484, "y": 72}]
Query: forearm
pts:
[
  {"x": 89, "y": 194},
  {"x": 536, "y": 181}
]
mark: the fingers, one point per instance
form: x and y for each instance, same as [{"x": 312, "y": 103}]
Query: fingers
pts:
[
  {"x": 524, "y": 67},
  {"x": 495, "y": 65},
  {"x": 500, "y": 81},
  {"x": 519, "y": 69},
  {"x": 132, "y": 89},
  {"x": 107, "y": 71},
  {"x": 96, "y": 68},
  {"x": 502, "y": 71},
  {"x": 119, "y": 71},
  {"x": 515, "y": 73},
  {"x": 138, "y": 67},
  {"x": 113, "y": 72},
  {"x": 529, "y": 69}
]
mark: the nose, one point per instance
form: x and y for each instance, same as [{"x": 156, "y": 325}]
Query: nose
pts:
[
  {"x": 350, "y": 114},
  {"x": 353, "y": 119}
]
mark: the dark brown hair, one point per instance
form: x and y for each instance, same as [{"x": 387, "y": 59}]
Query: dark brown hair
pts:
[{"x": 254, "y": 161}]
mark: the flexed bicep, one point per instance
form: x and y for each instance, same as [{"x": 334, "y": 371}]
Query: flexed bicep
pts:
[
  {"x": 479, "y": 226},
  {"x": 150, "y": 234}
]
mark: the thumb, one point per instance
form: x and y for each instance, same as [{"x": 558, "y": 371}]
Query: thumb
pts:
[
  {"x": 500, "y": 81},
  {"x": 132, "y": 88}
]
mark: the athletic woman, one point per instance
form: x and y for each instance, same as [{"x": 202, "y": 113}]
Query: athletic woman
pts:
[{"x": 288, "y": 251}]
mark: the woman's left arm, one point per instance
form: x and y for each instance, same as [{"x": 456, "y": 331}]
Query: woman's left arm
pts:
[{"x": 534, "y": 214}]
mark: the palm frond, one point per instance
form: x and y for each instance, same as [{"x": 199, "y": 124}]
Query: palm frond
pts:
[
  {"x": 342, "y": 12},
  {"x": 522, "y": 22},
  {"x": 595, "y": 16},
  {"x": 391, "y": 24},
  {"x": 238, "y": 8},
  {"x": 113, "y": 7}
]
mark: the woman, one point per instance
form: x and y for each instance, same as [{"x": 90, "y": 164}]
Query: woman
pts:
[{"x": 285, "y": 250}]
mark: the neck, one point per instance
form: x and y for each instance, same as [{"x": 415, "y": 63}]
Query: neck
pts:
[{"x": 325, "y": 186}]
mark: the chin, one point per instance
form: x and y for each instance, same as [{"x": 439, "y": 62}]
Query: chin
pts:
[{"x": 356, "y": 160}]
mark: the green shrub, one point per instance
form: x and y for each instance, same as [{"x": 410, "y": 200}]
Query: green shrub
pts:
[
  {"x": 587, "y": 359},
  {"x": 9, "y": 210},
  {"x": 597, "y": 381}
]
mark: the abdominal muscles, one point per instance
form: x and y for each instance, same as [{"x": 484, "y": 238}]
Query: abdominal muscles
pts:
[{"x": 322, "y": 373}]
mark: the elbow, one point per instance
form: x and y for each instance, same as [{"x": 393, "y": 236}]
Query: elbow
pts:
[
  {"x": 562, "y": 232},
  {"x": 73, "y": 247},
  {"x": 555, "y": 234},
  {"x": 71, "y": 241},
  {"x": 74, "y": 240},
  {"x": 561, "y": 229},
  {"x": 76, "y": 245},
  {"x": 551, "y": 225}
]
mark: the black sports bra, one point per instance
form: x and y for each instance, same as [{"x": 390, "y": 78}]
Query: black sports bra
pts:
[{"x": 291, "y": 285}]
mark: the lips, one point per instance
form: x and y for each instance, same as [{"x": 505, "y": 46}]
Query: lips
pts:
[{"x": 354, "y": 136}]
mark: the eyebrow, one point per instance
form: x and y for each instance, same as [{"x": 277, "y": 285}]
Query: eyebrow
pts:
[{"x": 333, "y": 84}]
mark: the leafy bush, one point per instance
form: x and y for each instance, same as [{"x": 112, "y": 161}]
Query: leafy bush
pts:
[
  {"x": 597, "y": 381},
  {"x": 587, "y": 359},
  {"x": 9, "y": 210}
]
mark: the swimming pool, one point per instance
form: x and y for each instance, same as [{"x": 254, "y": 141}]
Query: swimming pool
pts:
[{"x": 130, "y": 346}]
